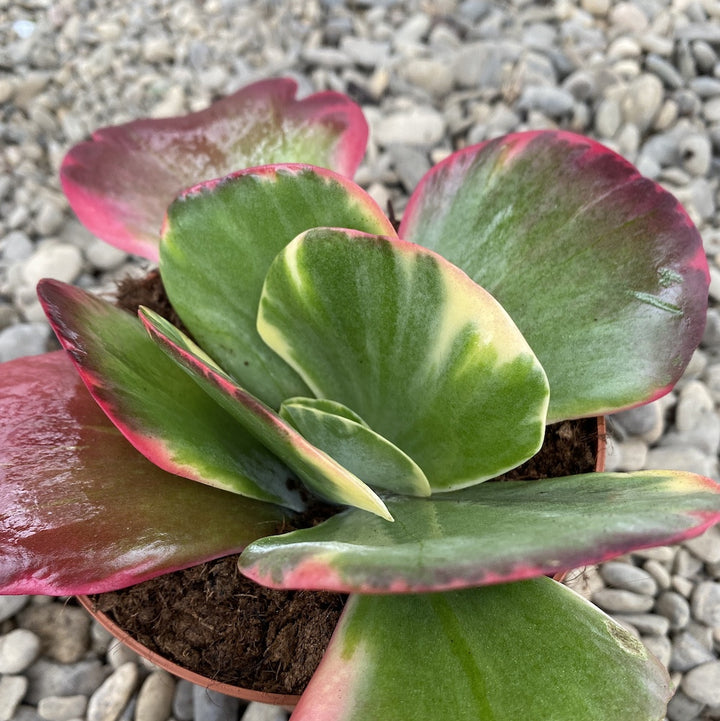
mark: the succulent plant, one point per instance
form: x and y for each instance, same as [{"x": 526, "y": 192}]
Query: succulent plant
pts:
[{"x": 534, "y": 278}]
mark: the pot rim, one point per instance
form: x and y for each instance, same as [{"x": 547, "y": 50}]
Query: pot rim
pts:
[
  {"x": 246, "y": 694},
  {"x": 287, "y": 700}
]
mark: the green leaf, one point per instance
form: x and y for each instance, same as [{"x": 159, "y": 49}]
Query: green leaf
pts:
[
  {"x": 344, "y": 436},
  {"x": 317, "y": 470},
  {"x": 600, "y": 268},
  {"x": 218, "y": 242},
  {"x": 155, "y": 405},
  {"x": 425, "y": 356},
  {"x": 528, "y": 650},
  {"x": 81, "y": 511},
  {"x": 490, "y": 533}
]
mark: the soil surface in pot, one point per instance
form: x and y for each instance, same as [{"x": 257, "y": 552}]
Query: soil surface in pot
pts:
[{"x": 214, "y": 621}]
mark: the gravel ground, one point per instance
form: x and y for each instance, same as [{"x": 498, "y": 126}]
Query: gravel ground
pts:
[{"x": 643, "y": 77}]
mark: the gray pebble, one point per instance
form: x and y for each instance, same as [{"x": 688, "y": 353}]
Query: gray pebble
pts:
[
  {"x": 705, "y": 87},
  {"x": 16, "y": 246},
  {"x": 628, "y": 577},
  {"x": 410, "y": 164},
  {"x": 154, "y": 701},
  {"x": 615, "y": 600},
  {"x": 675, "y": 608},
  {"x": 664, "y": 70},
  {"x": 696, "y": 154},
  {"x": 659, "y": 646},
  {"x": 419, "y": 126},
  {"x": 647, "y": 624},
  {"x": 703, "y": 683},
  {"x": 658, "y": 572},
  {"x": 608, "y": 118},
  {"x": 683, "y": 708},
  {"x": 642, "y": 101},
  {"x": 641, "y": 420},
  {"x": 18, "y": 649},
  {"x": 108, "y": 702},
  {"x": 53, "y": 259},
  {"x": 62, "y": 708},
  {"x": 363, "y": 52},
  {"x": 553, "y": 102},
  {"x": 48, "y": 678},
  {"x": 677, "y": 458},
  {"x": 688, "y": 652},
  {"x": 209, "y": 705},
  {"x": 23, "y": 339},
  {"x": 263, "y": 712},
  {"x": 706, "y": 546},
  {"x": 705, "y": 603},
  {"x": 49, "y": 219},
  {"x": 686, "y": 564},
  {"x": 64, "y": 630},
  {"x": 10, "y": 605},
  {"x": 12, "y": 691},
  {"x": 182, "y": 707}
]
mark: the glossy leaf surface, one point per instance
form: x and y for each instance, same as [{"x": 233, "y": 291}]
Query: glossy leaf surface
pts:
[
  {"x": 425, "y": 356},
  {"x": 121, "y": 182},
  {"x": 600, "y": 268},
  {"x": 155, "y": 405},
  {"x": 491, "y": 533},
  {"x": 528, "y": 650},
  {"x": 324, "y": 476},
  {"x": 81, "y": 511},
  {"x": 217, "y": 246},
  {"x": 335, "y": 429}
]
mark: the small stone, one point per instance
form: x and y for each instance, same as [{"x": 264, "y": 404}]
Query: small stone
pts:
[
  {"x": 705, "y": 87},
  {"x": 706, "y": 603},
  {"x": 12, "y": 691},
  {"x": 363, "y": 52},
  {"x": 661, "y": 554},
  {"x": 642, "y": 100},
  {"x": 49, "y": 219},
  {"x": 10, "y": 605},
  {"x": 48, "y": 678},
  {"x": 703, "y": 683},
  {"x": 648, "y": 624},
  {"x": 658, "y": 572},
  {"x": 182, "y": 707},
  {"x": 677, "y": 458},
  {"x": 108, "y": 702},
  {"x": 551, "y": 101},
  {"x": 64, "y": 630},
  {"x": 155, "y": 699},
  {"x": 675, "y": 608},
  {"x": 62, "y": 708},
  {"x": 659, "y": 646},
  {"x": 706, "y": 547},
  {"x": 209, "y": 705},
  {"x": 615, "y": 600},
  {"x": 686, "y": 565},
  {"x": 696, "y": 154},
  {"x": 18, "y": 649},
  {"x": 23, "y": 339},
  {"x": 608, "y": 118},
  {"x": 641, "y": 420},
  {"x": 683, "y": 708},
  {"x": 53, "y": 259},
  {"x": 171, "y": 105},
  {"x": 263, "y": 712},
  {"x": 157, "y": 49},
  {"x": 104, "y": 256},
  {"x": 628, "y": 577},
  {"x": 410, "y": 163},
  {"x": 688, "y": 652},
  {"x": 433, "y": 76},
  {"x": 419, "y": 126},
  {"x": 670, "y": 77}
]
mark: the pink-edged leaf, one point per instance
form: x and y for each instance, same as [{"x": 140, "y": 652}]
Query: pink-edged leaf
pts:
[
  {"x": 156, "y": 406},
  {"x": 529, "y": 650},
  {"x": 81, "y": 511},
  {"x": 322, "y": 474},
  {"x": 121, "y": 181},
  {"x": 601, "y": 269},
  {"x": 488, "y": 534},
  {"x": 218, "y": 243}
]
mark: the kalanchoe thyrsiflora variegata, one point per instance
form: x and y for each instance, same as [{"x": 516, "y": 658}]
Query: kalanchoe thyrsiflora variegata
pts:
[{"x": 534, "y": 278}]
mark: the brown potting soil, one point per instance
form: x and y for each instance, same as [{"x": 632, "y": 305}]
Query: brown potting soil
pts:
[{"x": 214, "y": 621}]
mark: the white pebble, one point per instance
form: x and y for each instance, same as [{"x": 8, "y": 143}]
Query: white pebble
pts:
[
  {"x": 108, "y": 702},
  {"x": 18, "y": 649},
  {"x": 703, "y": 683},
  {"x": 705, "y": 603}
]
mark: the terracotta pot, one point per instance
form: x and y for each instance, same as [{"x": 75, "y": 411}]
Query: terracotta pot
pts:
[{"x": 287, "y": 701}]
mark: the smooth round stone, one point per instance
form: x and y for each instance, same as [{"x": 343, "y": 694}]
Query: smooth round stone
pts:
[
  {"x": 62, "y": 708},
  {"x": 433, "y": 76},
  {"x": 705, "y": 87},
  {"x": 10, "y": 605},
  {"x": 608, "y": 118},
  {"x": 641, "y": 420},
  {"x": 64, "y": 630},
  {"x": 53, "y": 260},
  {"x": 108, "y": 702},
  {"x": 155, "y": 699},
  {"x": 705, "y": 603},
  {"x": 688, "y": 652},
  {"x": 706, "y": 546},
  {"x": 18, "y": 649},
  {"x": 694, "y": 404},
  {"x": 49, "y": 218},
  {"x": 683, "y": 708},
  {"x": 695, "y": 153},
  {"x": 419, "y": 126},
  {"x": 648, "y": 624},
  {"x": 209, "y": 705},
  {"x": 630, "y": 455},
  {"x": 675, "y": 608},
  {"x": 686, "y": 565},
  {"x": 658, "y": 572},
  {"x": 16, "y": 246},
  {"x": 659, "y": 646},
  {"x": 703, "y": 683},
  {"x": 104, "y": 256},
  {"x": 614, "y": 600},
  {"x": 642, "y": 100},
  {"x": 599, "y": 8},
  {"x": 12, "y": 691},
  {"x": 263, "y": 712},
  {"x": 678, "y": 458},
  {"x": 629, "y": 17},
  {"x": 553, "y": 102},
  {"x": 182, "y": 707},
  {"x": 670, "y": 77},
  {"x": 628, "y": 577},
  {"x": 23, "y": 339},
  {"x": 48, "y": 678}
]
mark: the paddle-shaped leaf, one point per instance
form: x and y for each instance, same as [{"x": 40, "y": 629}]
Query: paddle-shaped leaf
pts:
[
  {"x": 600, "y": 268},
  {"x": 218, "y": 243},
  {"x": 122, "y": 180},
  {"x": 528, "y": 650},
  {"x": 324, "y": 476},
  {"x": 81, "y": 511},
  {"x": 407, "y": 341},
  {"x": 155, "y": 405},
  {"x": 490, "y": 533},
  {"x": 344, "y": 436}
]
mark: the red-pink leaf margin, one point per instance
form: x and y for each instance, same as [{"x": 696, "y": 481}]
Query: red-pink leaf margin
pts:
[
  {"x": 121, "y": 181},
  {"x": 81, "y": 511}
]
